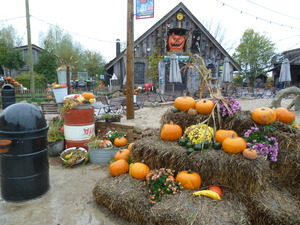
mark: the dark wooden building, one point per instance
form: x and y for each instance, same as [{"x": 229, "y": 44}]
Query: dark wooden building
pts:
[
  {"x": 178, "y": 33},
  {"x": 294, "y": 58}
]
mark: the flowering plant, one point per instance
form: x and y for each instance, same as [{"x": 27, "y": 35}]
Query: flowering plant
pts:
[
  {"x": 112, "y": 135},
  {"x": 56, "y": 85},
  {"x": 263, "y": 145},
  {"x": 228, "y": 107},
  {"x": 161, "y": 183}
]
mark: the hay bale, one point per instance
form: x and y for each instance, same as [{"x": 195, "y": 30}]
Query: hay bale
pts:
[
  {"x": 127, "y": 197},
  {"x": 273, "y": 206},
  {"x": 214, "y": 166}
]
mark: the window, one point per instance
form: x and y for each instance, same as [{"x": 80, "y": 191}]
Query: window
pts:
[{"x": 139, "y": 73}]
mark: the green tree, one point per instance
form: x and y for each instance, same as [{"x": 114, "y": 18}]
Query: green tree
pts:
[
  {"x": 152, "y": 72},
  {"x": 253, "y": 54},
  {"x": 93, "y": 62},
  {"x": 10, "y": 56},
  {"x": 47, "y": 65}
]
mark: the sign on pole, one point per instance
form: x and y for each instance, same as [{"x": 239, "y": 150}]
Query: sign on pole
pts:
[
  {"x": 114, "y": 77},
  {"x": 144, "y": 9}
]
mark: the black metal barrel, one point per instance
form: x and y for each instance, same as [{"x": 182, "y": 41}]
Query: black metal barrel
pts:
[
  {"x": 8, "y": 95},
  {"x": 24, "y": 169}
]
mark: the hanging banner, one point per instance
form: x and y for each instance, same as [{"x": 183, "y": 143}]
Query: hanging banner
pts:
[{"x": 144, "y": 9}]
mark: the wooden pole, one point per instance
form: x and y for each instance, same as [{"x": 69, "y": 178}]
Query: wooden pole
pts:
[
  {"x": 30, "y": 61},
  {"x": 129, "y": 62},
  {"x": 68, "y": 80}
]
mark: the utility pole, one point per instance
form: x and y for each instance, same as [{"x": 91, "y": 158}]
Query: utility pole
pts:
[
  {"x": 129, "y": 62},
  {"x": 32, "y": 86}
]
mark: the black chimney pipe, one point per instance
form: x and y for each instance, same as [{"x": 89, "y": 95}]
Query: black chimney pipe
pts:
[{"x": 118, "y": 47}]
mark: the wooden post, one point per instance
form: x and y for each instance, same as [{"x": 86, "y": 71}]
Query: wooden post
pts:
[
  {"x": 32, "y": 85},
  {"x": 129, "y": 62},
  {"x": 68, "y": 80}
]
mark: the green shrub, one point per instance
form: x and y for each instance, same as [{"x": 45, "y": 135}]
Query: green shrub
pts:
[{"x": 40, "y": 80}]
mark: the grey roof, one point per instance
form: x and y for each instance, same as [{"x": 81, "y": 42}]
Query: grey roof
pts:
[{"x": 182, "y": 7}]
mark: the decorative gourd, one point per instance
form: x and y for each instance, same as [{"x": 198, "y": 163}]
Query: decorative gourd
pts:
[
  {"x": 222, "y": 134},
  {"x": 120, "y": 141},
  {"x": 122, "y": 154},
  {"x": 264, "y": 116},
  {"x": 107, "y": 144},
  {"x": 216, "y": 189},
  {"x": 88, "y": 95},
  {"x": 139, "y": 170},
  {"x": 284, "y": 115},
  {"x": 176, "y": 42},
  {"x": 204, "y": 106},
  {"x": 192, "y": 112},
  {"x": 171, "y": 132},
  {"x": 118, "y": 167},
  {"x": 234, "y": 145},
  {"x": 189, "y": 180},
  {"x": 184, "y": 103},
  {"x": 249, "y": 153}
]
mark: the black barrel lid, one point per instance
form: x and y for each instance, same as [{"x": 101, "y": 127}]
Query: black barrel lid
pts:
[{"x": 22, "y": 117}]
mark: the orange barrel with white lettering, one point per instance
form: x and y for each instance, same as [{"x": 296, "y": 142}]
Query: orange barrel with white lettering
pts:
[{"x": 79, "y": 127}]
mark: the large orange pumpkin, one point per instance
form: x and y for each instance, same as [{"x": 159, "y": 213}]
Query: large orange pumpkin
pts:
[
  {"x": 234, "y": 145},
  {"x": 284, "y": 115},
  {"x": 118, "y": 167},
  {"x": 88, "y": 95},
  {"x": 171, "y": 132},
  {"x": 264, "y": 116},
  {"x": 222, "y": 134},
  {"x": 122, "y": 154},
  {"x": 139, "y": 170},
  {"x": 204, "y": 106},
  {"x": 176, "y": 42},
  {"x": 189, "y": 180},
  {"x": 184, "y": 103},
  {"x": 120, "y": 141}
]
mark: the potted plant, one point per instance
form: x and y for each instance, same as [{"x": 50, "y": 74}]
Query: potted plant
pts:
[
  {"x": 101, "y": 150},
  {"x": 111, "y": 117},
  {"x": 55, "y": 136}
]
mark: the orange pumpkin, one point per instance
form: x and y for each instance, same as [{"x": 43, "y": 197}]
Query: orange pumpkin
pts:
[
  {"x": 204, "y": 106},
  {"x": 264, "y": 116},
  {"x": 234, "y": 145},
  {"x": 284, "y": 115},
  {"x": 171, "y": 132},
  {"x": 222, "y": 134},
  {"x": 130, "y": 146},
  {"x": 184, "y": 103},
  {"x": 120, "y": 141},
  {"x": 249, "y": 153},
  {"x": 122, "y": 154},
  {"x": 139, "y": 170},
  {"x": 118, "y": 167},
  {"x": 88, "y": 95},
  {"x": 189, "y": 180},
  {"x": 176, "y": 42}
]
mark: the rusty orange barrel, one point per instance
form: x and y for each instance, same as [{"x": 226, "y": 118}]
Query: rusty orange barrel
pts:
[{"x": 79, "y": 127}]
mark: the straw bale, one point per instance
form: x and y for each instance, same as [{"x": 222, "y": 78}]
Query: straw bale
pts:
[
  {"x": 214, "y": 166},
  {"x": 273, "y": 205},
  {"x": 126, "y": 197}
]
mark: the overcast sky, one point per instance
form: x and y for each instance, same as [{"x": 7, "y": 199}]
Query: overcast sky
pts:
[{"x": 96, "y": 24}]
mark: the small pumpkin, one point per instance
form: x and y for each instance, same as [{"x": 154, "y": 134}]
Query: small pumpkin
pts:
[
  {"x": 122, "y": 154},
  {"x": 234, "y": 145},
  {"x": 184, "y": 103},
  {"x": 216, "y": 189},
  {"x": 222, "y": 134},
  {"x": 139, "y": 170},
  {"x": 249, "y": 153},
  {"x": 120, "y": 141},
  {"x": 171, "y": 132},
  {"x": 130, "y": 146},
  {"x": 189, "y": 180},
  {"x": 264, "y": 116},
  {"x": 118, "y": 167},
  {"x": 284, "y": 115},
  {"x": 192, "y": 112},
  {"x": 204, "y": 106},
  {"x": 88, "y": 95}
]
